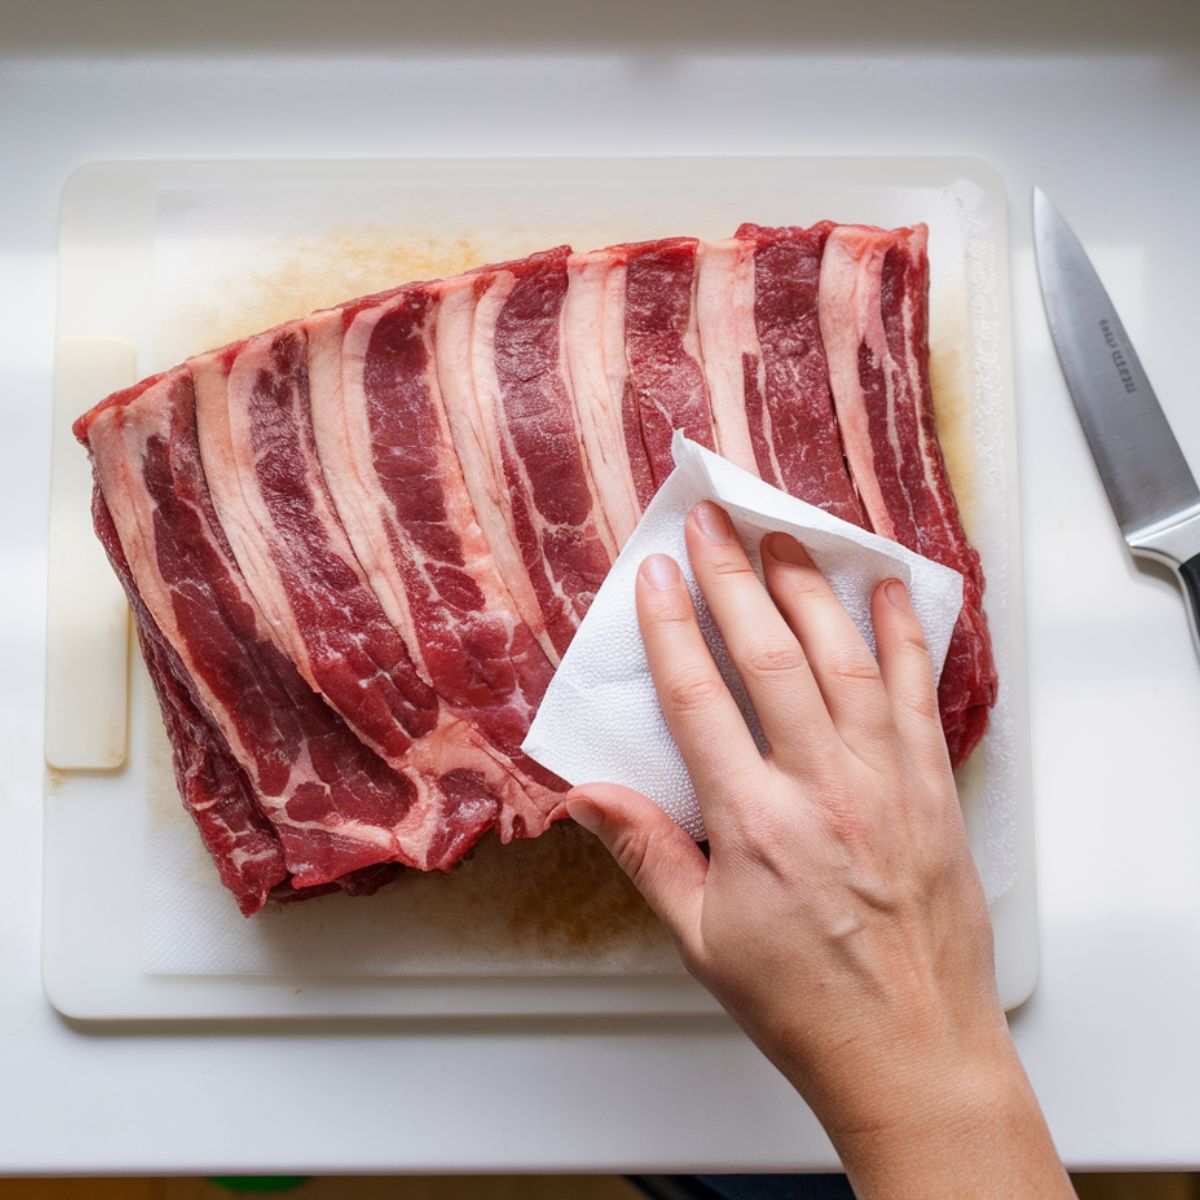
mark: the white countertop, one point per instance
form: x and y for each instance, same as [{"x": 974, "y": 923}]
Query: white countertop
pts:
[{"x": 1108, "y": 128}]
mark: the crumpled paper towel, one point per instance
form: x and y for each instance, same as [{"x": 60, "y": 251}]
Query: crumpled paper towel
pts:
[{"x": 600, "y": 720}]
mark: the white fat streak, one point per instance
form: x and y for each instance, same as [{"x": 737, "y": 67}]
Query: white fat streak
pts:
[
  {"x": 725, "y": 320},
  {"x": 452, "y": 745},
  {"x": 616, "y": 363},
  {"x": 597, "y": 388},
  {"x": 498, "y": 434},
  {"x": 443, "y": 750},
  {"x": 893, "y": 372},
  {"x": 118, "y": 439},
  {"x": 238, "y": 856},
  {"x": 342, "y": 430},
  {"x": 600, "y": 523},
  {"x": 346, "y": 450},
  {"x": 395, "y": 844},
  {"x": 239, "y": 504},
  {"x": 434, "y": 755},
  {"x": 915, "y": 243},
  {"x": 849, "y": 306},
  {"x": 224, "y": 425},
  {"x": 407, "y": 841},
  {"x": 691, "y": 334},
  {"x": 343, "y": 434},
  {"x": 537, "y": 816},
  {"x": 472, "y": 418},
  {"x": 487, "y": 393},
  {"x": 228, "y": 460},
  {"x": 690, "y": 344},
  {"x": 478, "y": 560}
]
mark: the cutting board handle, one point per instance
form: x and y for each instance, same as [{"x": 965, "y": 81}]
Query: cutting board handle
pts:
[{"x": 87, "y": 618}]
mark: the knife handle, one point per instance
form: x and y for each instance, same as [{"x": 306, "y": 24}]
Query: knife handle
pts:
[
  {"x": 1189, "y": 577},
  {"x": 1176, "y": 544}
]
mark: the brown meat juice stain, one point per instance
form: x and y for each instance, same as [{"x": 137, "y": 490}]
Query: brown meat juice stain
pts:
[
  {"x": 559, "y": 897},
  {"x": 296, "y": 276},
  {"x": 952, "y": 413},
  {"x": 579, "y": 896}
]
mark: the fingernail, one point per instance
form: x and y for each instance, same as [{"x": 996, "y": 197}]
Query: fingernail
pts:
[
  {"x": 661, "y": 571},
  {"x": 786, "y": 549},
  {"x": 584, "y": 812},
  {"x": 713, "y": 522},
  {"x": 897, "y": 595}
]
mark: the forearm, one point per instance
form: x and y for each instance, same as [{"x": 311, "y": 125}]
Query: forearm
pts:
[
  {"x": 838, "y": 914},
  {"x": 975, "y": 1132}
]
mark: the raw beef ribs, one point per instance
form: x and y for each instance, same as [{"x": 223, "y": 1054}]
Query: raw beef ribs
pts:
[
  {"x": 385, "y": 446},
  {"x": 259, "y": 456},
  {"x": 504, "y": 373},
  {"x": 732, "y": 354},
  {"x": 334, "y": 804},
  {"x": 662, "y": 349},
  {"x": 355, "y": 546},
  {"x": 214, "y": 788},
  {"x": 795, "y": 437},
  {"x": 594, "y": 333},
  {"x": 874, "y": 325}
]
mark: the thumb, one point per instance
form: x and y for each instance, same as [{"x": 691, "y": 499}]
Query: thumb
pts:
[{"x": 663, "y": 863}]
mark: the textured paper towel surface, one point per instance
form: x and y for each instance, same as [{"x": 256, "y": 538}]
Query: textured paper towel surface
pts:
[{"x": 600, "y": 719}]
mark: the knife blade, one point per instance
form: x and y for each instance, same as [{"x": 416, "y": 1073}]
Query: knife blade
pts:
[{"x": 1150, "y": 486}]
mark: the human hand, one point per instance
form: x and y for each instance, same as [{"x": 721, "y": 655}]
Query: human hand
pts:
[{"x": 838, "y": 916}]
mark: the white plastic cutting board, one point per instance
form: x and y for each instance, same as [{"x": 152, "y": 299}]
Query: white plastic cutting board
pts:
[{"x": 545, "y": 928}]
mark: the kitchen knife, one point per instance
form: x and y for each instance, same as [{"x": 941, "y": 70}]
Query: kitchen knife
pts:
[{"x": 1148, "y": 481}]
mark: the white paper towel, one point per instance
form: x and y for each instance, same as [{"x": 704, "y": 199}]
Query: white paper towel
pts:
[{"x": 600, "y": 720}]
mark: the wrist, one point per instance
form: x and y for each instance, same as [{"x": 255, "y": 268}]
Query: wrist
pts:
[
  {"x": 968, "y": 1127},
  {"x": 913, "y": 1057},
  {"x": 926, "y": 1094}
]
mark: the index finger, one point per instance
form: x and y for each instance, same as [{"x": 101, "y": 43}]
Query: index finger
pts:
[
  {"x": 707, "y": 724},
  {"x": 764, "y": 649}
]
